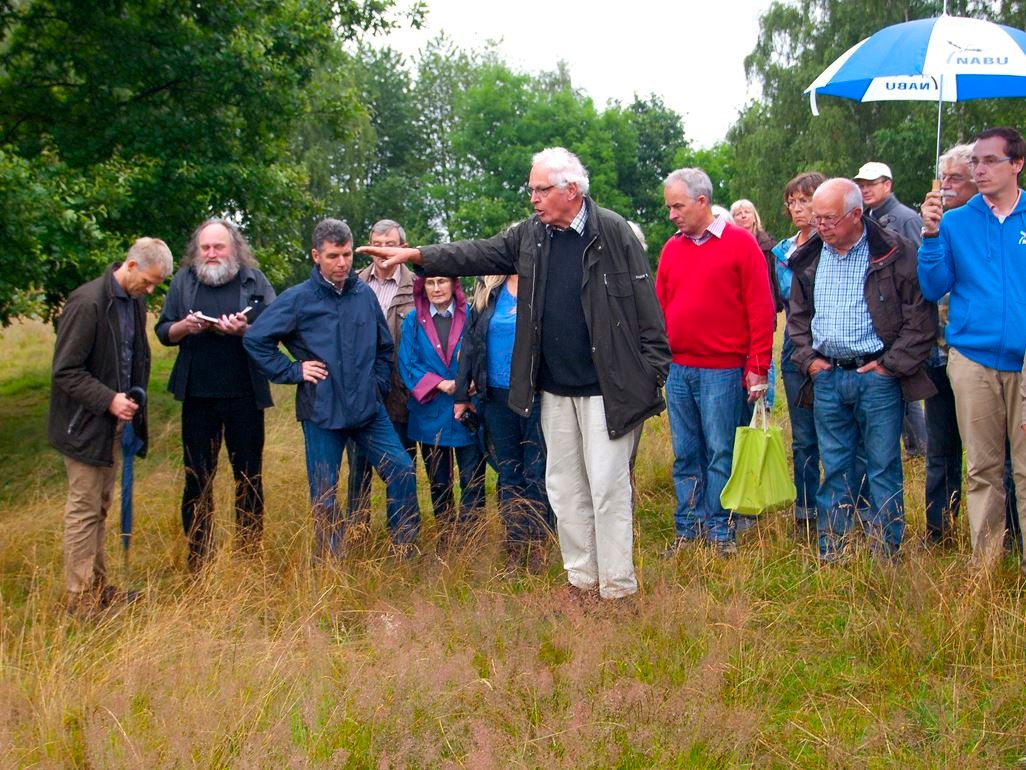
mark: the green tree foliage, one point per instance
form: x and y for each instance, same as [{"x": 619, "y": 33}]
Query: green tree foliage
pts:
[
  {"x": 120, "y": 118},
  {"x": 777, "y": 137},
  {"x": 445, "y": 143}
]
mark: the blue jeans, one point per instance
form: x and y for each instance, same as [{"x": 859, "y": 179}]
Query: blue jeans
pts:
[
  {"x": 804, "y": 444},
  {"x": 705, "y": 407},
  {"x": 360, "y": 475},
  {"x": 519, "y": 451},
  {"x": 849, "y": 405},
  {"x": 324, "y": 456}
]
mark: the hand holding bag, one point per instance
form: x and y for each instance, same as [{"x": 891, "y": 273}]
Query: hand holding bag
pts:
[{"x": 759, "y": 480}]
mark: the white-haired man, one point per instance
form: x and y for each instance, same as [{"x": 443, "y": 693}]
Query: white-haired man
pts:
[
  {"x": 222, "y": 392},
  {"x": 589, "y": 335},
  {"x": 101, "y": 354}
]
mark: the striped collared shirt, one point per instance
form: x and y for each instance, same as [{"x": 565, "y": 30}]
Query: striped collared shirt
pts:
[
  {"x": 715, "y": 228},
  {"x": 842, "y": 326},
  {"x": 384, "y": 290}
]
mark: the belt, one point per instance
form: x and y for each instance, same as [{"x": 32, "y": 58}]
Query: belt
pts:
[{"x": 853, "y": 363}]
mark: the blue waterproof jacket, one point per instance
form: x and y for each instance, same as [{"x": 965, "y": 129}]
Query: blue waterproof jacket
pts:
[
  {"x": 422, "y": 366},
  {"x": 345, "y": 330},
  {"x": 982, "y": 262}
]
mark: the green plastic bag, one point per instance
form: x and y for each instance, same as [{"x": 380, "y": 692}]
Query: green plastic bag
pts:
[{"x": 759, "y": 481}]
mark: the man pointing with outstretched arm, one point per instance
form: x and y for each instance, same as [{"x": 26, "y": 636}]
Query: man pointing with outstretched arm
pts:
[{"x": 590, "y": 336}]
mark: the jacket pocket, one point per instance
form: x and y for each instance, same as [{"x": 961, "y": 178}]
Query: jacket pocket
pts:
[
  {"x": 958, "y": 317},
  {"x": 617, "y": 284}
]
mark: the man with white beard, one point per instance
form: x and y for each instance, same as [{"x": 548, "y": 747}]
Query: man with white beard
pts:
[{"x": 212, "y": 300}]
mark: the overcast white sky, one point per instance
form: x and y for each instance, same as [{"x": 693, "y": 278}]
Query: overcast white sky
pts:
[{"x": 689, "y": 53}]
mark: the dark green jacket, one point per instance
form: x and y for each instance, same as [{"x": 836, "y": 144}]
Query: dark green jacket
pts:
[
  {"x": 87, "y": 373},
  {"x": 625, "y": 322}
]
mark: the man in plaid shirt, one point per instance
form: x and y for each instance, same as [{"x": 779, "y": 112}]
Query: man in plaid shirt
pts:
[{"x": 861, "y": 331}]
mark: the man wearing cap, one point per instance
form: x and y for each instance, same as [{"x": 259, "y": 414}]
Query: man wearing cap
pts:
[{"x": 877, "y": 186}]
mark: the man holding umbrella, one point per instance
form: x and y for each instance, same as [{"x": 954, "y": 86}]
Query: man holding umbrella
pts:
[
  {"x": 978, "y": 254},
  {"x": 100, "y": 355}
]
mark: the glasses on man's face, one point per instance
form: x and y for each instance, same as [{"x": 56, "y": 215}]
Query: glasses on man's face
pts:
[
  {"x": 830, "y": 221},
  {"x": 799, "y": 203},
  {"x": 987, "y": 162},
  {"x": 542, "y": 190}
]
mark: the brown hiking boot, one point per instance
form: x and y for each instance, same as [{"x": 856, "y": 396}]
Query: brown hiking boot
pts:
[
  {"x": 112, "y": 596},
  {"x": 84, "y": 607}
]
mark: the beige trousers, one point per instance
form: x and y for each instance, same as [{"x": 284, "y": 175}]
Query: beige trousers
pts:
[
  {"x": 988, "y": 408},
  {"x": 587, "y": 477},
  {"x": 90, "y": 492}
]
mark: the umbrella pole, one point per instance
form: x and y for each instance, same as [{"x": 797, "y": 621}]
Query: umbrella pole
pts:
[{"x": 936, "y": 157}]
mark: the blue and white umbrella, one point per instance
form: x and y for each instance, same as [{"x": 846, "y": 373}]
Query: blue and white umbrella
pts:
[{"x": 946, "y": 59}]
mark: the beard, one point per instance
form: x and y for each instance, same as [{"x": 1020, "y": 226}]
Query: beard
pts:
[{"x": 217, "y": 273}]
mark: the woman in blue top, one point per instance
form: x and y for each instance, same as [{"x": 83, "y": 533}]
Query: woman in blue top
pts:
[
  {"x": 429, "y": 354},
  {"x": 515, "y": 441}
]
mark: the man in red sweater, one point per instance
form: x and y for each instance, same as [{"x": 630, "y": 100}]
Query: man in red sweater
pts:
[{"x": 715, "y": 294}]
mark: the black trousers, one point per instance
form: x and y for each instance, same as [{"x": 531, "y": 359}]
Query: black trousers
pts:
[
  {"x": 205, "y": 422},
  {"x": 438, "y": 462}
]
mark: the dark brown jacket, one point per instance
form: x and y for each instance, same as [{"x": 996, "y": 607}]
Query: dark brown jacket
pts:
[
  {"x": 902, "y": 318},
  {"x": 401, "y": 305},
  {"x": 87, "y": 373}
]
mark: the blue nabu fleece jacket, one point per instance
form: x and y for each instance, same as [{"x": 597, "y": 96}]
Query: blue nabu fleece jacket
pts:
[{"x": 982, "y": 262}]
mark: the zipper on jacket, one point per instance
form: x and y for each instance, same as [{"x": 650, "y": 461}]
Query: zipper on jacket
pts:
[{"x": 117, "y": 344}]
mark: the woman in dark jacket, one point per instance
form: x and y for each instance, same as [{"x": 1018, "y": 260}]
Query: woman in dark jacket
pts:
[
  {"x": 429, "y": 353},
  {"x": 515, "y": 441}
]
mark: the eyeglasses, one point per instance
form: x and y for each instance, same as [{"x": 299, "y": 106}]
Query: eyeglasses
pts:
[
  {"x": 798, "y": 203},
  {"x": 542, "y": 191},
  {"x": 990, "y": 160},
  {"x": 831, "y": 221}
]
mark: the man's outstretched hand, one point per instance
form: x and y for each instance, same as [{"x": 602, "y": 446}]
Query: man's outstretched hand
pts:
[{"x": 393, "y": 255}]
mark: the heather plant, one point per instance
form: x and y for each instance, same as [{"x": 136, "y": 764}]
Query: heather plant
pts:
[{"x": 442, "y": 661}]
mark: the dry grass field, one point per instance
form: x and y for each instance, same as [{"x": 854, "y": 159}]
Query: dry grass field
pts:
[{"x": 763, "y": 660}]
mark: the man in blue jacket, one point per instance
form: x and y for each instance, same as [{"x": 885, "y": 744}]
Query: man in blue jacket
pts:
[
  {"x": 978, "y": 253},
  {"x": 334, "y": 329}
]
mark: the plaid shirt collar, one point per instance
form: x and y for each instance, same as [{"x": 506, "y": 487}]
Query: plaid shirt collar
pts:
[
  {"x": 578, "y": 221},
  {"x": 860, "y": 247}
]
